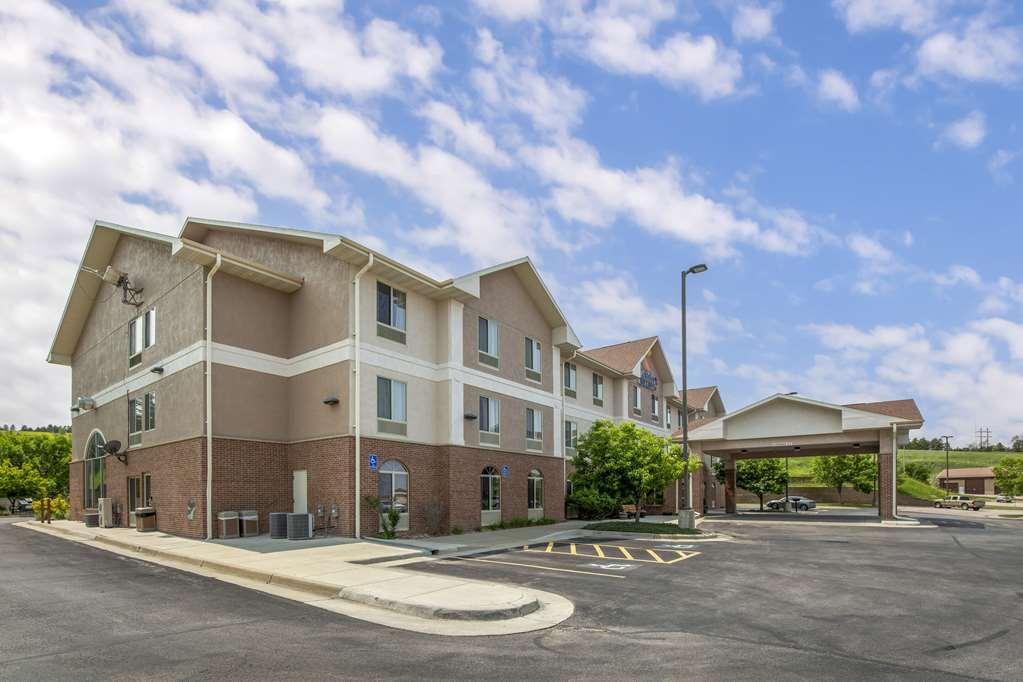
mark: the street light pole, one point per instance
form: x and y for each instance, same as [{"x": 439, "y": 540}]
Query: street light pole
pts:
[
  {"x": 946, "y": 438},
  {"x": 690, "y": 521}
]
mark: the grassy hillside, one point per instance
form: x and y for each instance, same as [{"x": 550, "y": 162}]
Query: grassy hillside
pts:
[{"x": 933, "y": 459}]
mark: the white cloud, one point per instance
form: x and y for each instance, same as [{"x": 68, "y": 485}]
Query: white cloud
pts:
[
  {"x": 958, "y": 274},
  {"x": 911, "y": 16},
  {"x": 753, "y": 22},
  {"x": 868, "y": 248},
  {"x": 1011, "y": 333},
  {"x": 980, "y": 51},
  {"x": 844, "y": 336},
  {"x": 619, "y": 36},
  {"x": 468, "y": 137},
  {"x": 485, "y": 223},
  {"x": 967, "y": 132},
  {"x": 998, "y": 163},
  {"x": 835, "y": 88},
  {"x": 511, "y": 10}
]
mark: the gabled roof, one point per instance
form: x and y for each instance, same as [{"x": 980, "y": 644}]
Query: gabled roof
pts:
[
  {"x": 968, "y": 472},
  {"x": 98, "y": 252},
  {"x": 696, "y": 398},
  {"x": 622, "y": 357},
  {"x": 903, "y": 409}
]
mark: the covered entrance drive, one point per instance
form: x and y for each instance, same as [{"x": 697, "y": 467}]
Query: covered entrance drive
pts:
[{"x": 794, "y": 426}]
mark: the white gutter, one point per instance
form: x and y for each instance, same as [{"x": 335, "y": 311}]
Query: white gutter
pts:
[
  {"x": 209, "y": 397},
  {"x": 564, "y": 418},
  {"x": 357, "y": 427},
  {"x": 895, "y": 470}
]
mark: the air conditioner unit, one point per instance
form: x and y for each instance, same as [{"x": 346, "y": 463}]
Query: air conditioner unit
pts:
[
  {"x": 300, "y": 526},
  {"x": 106, "y": 512}
]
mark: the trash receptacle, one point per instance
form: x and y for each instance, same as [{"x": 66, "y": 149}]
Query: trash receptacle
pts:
[
  {"x": 278, "y": 525},
  {"x": 249, "y": 522},
  {"x": 145, "y": 519},
  {"x": 91, "y": 519},
  {"x": 227, "y": 522}
]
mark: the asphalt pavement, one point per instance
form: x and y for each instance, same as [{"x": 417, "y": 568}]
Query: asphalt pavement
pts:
[{"x": 779, "y": 602}]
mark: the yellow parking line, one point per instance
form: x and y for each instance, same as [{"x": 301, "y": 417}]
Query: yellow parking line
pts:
[
  {"x": 550, "y": 546},
  {"x": 600, "y": 551},
  {"x": 655, "y": 555},
  {"x": 626, "y": 553},
  {"x": 571, "y": 548},
  {"x": 543, "y": 568}
]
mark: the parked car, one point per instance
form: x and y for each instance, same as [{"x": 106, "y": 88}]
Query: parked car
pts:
[
  {"x": 23, "y": 506},
  {"x": 963, "y": 502},
  {"x": 801, "y": 503},
  {"x": 1008, "y": 499}
]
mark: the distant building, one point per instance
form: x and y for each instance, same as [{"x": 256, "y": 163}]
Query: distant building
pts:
[{"x": 970, "y": 480}]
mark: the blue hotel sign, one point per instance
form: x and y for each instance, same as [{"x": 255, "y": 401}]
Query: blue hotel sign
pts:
[{"x": 647, "y": 380}]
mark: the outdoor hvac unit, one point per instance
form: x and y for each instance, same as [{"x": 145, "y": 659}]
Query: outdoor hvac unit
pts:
[
  {"x": 300, "y": 526},
  {"x": 106, "y": 512},
  {"x": 279, "y": 524}
]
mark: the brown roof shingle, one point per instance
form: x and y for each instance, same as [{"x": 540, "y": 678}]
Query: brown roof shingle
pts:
[
  {"x": 698, "y": 397},
  {"x": 621, "y": 357},
  {"x": 968, "y": 472},
  {"x": 903, "y": 409}
]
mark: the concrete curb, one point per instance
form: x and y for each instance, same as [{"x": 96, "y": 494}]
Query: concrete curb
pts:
[
  {"x": 660, "y": 537},
  {"x": 310, "y": 587}
]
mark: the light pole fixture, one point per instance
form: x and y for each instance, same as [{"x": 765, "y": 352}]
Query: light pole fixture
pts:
[
  {"x": 946, "y": 439},
  {"x": 690, "y": 521}
]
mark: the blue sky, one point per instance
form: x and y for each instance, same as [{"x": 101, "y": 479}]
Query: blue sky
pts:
[{"x": 849, "y": 170}]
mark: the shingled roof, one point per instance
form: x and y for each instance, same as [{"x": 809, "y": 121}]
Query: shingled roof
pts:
[
  {"x": 697, "y": 397},
  {"x": 968, "y": 472},
  {"x": 903, "y": 409},
  {"x": 621, "y": 357}
]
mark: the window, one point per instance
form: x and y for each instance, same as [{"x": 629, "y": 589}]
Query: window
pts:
[
  {"x": 135, "y": 407},
  {"x": 598, "y": 390},
  {"x": 635, "y": 399},
  {"x": 490, "y": 421},
  {"x": 150, "y": 328},
  {"x": 488, "y": 342},
  {"x": 141, "y": 334},
  {"x": 667, "y": 415},
  {"x": 390, "y": 313},
  {"x": 570, "y": 380},
  {"x": 534, "y": 366},
  {"x": 150, "y": 415},
  {"x": 655, "y": 407},
  {"x": 95, "y": 470},
  {"x": 571, "y": 435},
  {"x": 490, "y": 490},
  {"x": 140, "y": 491},
  {"x": 393, "y": 487},
  {"x": 534, "y": 490},
  {"x": 534, "y": 430},
  {"x": 392, "y": 407}
]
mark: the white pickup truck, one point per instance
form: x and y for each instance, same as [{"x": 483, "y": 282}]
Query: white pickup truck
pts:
[{"x": 963, "y": 502}]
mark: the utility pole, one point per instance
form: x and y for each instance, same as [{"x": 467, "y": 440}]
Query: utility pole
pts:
[
  {"x": 686, "y": 509},
  {"x": 946, "y": 439}
]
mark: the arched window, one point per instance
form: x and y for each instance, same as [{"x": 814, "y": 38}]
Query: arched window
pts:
[
  {"x": 534, "y": 489},
  {"x": 393, "y": 486},
  {"x": 490, "y": 490},
  {"x": 95, "y": 478}
]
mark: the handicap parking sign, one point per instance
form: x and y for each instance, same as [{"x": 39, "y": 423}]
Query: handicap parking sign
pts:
[
  {"x": 505, "y": 471},
  {"x": 373, "y": 462}
]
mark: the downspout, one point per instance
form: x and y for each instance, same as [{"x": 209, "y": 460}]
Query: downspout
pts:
[
  {"x": 357, "y": 427},
  {"x": 564, "y": 418},
  {"x": 209, "y": 397},
  {"x": 895, "y": 470}
]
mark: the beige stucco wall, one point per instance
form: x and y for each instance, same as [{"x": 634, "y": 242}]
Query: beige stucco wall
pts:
[
  {"x": 251, "y": 316},
  {"x": 504, "y": 300},
  {"x": 782, "y": 418},
  {"x": 319, "y": 310},
  {"x": 308, "y": 416},
  {"x": 513, "y": 421},
  {"x": 421, "y": 405},
  {"x": 170, "y": 286},
  {"x": 420, "y": 322},
  {"x": 250, "y": 405}
]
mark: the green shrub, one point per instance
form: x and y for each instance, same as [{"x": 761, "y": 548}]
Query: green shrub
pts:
[
  {"x": 58, "y": 508},
  {"x": 593, "y": 504},
  {"x": 456, "y": 530},
  {"x": 918, "y": 471}
]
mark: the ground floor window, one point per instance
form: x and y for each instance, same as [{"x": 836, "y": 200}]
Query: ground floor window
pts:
[
  {"x": 140, "y": 491},
  {"x": 393, "y": 487},
  {"x": 534, "y": 489},
  {"x": 490, "y": 489},
  {"x": 95, "y": 471}
]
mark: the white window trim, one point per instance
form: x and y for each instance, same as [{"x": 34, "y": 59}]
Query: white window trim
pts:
[
  {"x": 494, "y": 403},
  {"x": 637, "y": 397},
  {"x": 391, "y": 418},
  {"x": 392, "y": 289},
  {"x": 496, "y": 350},
  {"x": 598, "y": 386},
  {"x": 571, "y": 380},
  {"x": 537, "y": 427},
  {"x": 536, "y": 356},
  {"x": 145, "y": 411}
]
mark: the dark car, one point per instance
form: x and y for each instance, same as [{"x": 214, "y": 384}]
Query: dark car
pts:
[
  {"x": 801, "y": 503},
  {"x": 23, "y": 506}
]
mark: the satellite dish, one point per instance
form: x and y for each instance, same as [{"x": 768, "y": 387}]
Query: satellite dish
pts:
[{"x": 112, "y": 446}]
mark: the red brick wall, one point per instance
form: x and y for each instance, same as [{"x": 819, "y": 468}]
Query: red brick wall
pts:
[
  {"x": 250, "y": 475},
  {"x": 329, "y": 465},
  {"x": 76, "y": 490}
]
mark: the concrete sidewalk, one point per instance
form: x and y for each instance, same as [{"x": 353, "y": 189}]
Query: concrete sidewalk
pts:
[
  {"x": 490, "y": 540},
  {"x": 325, "y": 577}
]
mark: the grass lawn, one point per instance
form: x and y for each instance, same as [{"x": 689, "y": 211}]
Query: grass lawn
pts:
[
  {"x": 934, "y": 459},
  {"x": 921, "y": 491},
  {"x": 641, "y": 527}
]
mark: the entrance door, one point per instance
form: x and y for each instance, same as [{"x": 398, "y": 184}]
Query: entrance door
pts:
[{"x": 299, "y": 491}]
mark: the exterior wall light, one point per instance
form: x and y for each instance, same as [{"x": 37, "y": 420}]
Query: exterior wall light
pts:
[
  {"x": 332, "y": 400},
  {"x": 156, "y": 370},
  {"x": 470, "y": 417}
]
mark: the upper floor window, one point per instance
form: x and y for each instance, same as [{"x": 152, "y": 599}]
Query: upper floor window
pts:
[
  {"x": 636, "y": 407},
  {"x": 490, "y": 421},
  {"x": 598, "y": 390},
  {"x": 570, "y": 379},
  {"x": 571, "y": 435},
  {"x": 534, "y": 429},
  {"x": 150, "y": 412},
  {"x": 390, "y": 313},
  {"x": 392, "y": 406},
  {"x": 534, "y": 365},
  {"x": 141, "y": 334},
  {"x": 136, "y": 407},
  {"x": 488, "y": 342},
  {"x": 655, "y": 406},
  {"x": 667, "y": 415}
]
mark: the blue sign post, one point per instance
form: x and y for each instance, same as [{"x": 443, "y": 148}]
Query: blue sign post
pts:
[
  {"x": 373, "y": 462},
  {"x": 505, "y": 471}
]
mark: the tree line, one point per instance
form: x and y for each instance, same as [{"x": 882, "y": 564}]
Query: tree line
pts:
[
  {"x": 49, "y": 428},
  {"x": 34, "y": 464},
  {"x": 1015, "y": 445}
]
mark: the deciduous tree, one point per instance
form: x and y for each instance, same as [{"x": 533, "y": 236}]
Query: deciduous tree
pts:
[
  {"x": 842, "y": 470},
  {"x": 17, "y": 482},
  {"x": 761, "y": 476},
  {"x": 1009, "y": 476}
]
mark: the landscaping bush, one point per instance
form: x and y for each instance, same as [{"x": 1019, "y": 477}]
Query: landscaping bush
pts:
[
  {"x": 593, "y": 504},
  {"x": 58, "y": 508},
  {"x": 918, "y": 471},
  {"x": 520, "y": 523}
]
